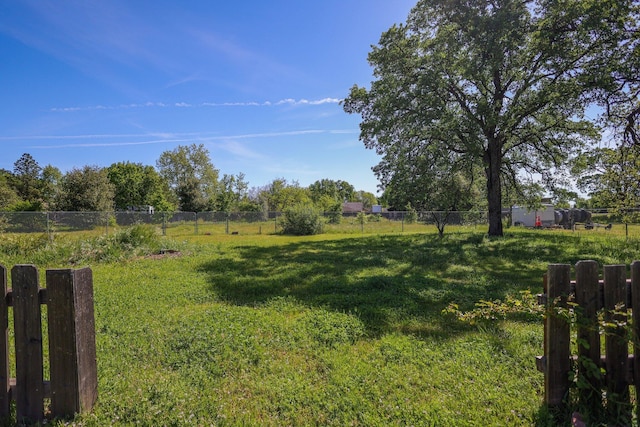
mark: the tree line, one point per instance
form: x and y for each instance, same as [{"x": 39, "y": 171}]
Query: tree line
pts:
[{"x": 184, "y": 179}]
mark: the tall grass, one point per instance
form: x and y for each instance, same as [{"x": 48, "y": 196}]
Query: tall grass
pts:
[
  {"x": 330, "y": 329},
  {"x": 48, "y": 250}
]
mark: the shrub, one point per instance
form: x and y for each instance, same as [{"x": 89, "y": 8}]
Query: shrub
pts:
[
  {"x": 374, "y": 218},
  {"x": 302, "y": 220},
  {"x": 23, "y": 244},
  {"x": 125, "y": 244},
  {"x": 334, "y": 213},
  {"x": 136, "y": 236},
  {"x": 411, "y": 216},
  {"x": 524, "y": 307}
]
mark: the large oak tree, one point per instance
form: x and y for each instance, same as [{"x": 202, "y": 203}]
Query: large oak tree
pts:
[{"x": 502, "y": 84}]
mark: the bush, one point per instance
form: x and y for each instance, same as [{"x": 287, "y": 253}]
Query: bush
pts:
[
  {"x": 125, "y": 244},
  {"x": 411, "y": 216},
  {"x": 137, "y": 236},
  {"x": 302, "y": 220},
  {"x": 26, "y": 245},
  {"x": 524, "y": 307},
  {"x": 334, "y": 213},
  {"x": 374, "y": 218}
]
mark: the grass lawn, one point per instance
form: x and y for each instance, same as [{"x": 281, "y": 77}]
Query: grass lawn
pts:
[{"x": 334, "y": 329}]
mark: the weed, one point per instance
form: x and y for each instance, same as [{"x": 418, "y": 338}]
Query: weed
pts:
[{"x": 523, "y": 307}]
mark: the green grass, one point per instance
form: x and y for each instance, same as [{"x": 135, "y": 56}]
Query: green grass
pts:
[
  {"x": 333, "y": 329},
  {"x": 352, "y": 226}
]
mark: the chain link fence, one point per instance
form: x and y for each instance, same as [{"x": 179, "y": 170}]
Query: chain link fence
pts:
[
  {"x": 206, "y": 223},
  {"x": 218, "y": 222}
]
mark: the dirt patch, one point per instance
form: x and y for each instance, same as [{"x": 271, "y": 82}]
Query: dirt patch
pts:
[{"x": 165, "y": 253}]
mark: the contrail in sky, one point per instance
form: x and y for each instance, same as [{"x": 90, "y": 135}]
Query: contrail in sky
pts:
[
  {"x": 168, "y": 138},
  {"x": 287, "y": 101}
]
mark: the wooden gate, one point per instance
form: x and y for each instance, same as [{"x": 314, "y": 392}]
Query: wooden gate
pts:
[
  {"x": 73, "y": 381},
  {"x": 598, "y": 308}
]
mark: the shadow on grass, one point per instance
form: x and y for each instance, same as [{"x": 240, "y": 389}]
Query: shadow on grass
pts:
[{"x": 399, "y": 282}]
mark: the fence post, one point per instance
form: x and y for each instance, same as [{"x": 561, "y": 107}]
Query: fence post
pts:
[
  {"x": 558, "y": 337},
  {"x": 615, "y": 295},
  {"x": 72, "y": 346},
  {"x": 588, "y": 301},
  {"x": 164, "y": 223},
  {"x": 4, "y": 346},
  {"x": 616, "y": 346},
  {"x": 49, "y": 235},
  {"x": 28, "y": 335},
  {"x": 635, "y": 312},
  {"x": 72, "y": 349}
]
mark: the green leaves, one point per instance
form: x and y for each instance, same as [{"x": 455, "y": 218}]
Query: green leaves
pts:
[
  {"x": 612, "y": 178},
  {"x": 86, "y": 189},
  {"x": 302, "y": 220},
  {"x": 524, "y": 306},
  {"x": 503, "y": 87},
  {"x": 138, "y": 185},
  {"x": 190, "y": 173}
]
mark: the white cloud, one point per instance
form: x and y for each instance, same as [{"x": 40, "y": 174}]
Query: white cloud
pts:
[
  {"x": 286, "y": 101},
  {"x": 116, "y": 107},
  {"x": 109, "y": 144}
]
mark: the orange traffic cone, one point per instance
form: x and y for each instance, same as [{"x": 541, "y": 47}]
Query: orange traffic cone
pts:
[{"x": 538, "y": 222}]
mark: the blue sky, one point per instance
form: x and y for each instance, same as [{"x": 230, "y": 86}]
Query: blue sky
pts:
[{"x": 258, "y": 82}]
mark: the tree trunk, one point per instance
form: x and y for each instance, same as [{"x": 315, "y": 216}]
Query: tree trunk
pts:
[
  {"x": 493, "y": 162},
  {"x": 441, "y": 221}
]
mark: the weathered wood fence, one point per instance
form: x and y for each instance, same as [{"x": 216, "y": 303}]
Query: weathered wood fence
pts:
[
  {"x": 73, "y": 380},
  {"x": 597, "y": 307}
]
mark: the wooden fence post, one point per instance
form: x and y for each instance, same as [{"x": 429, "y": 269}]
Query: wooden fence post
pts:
[
  {"x": 588, "y": 334},
  {"x": 72, "y": 345},
  {"x": 5, "y": 398},
  {"x": 615, "y": 295},
  {"x": 616, "y": 345},
  {"x": 28, "y": 333},
  {"x": 73, "y": 384},
  {"x": 635, "y": 302},
  {"x": 558, "y": 337}
]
